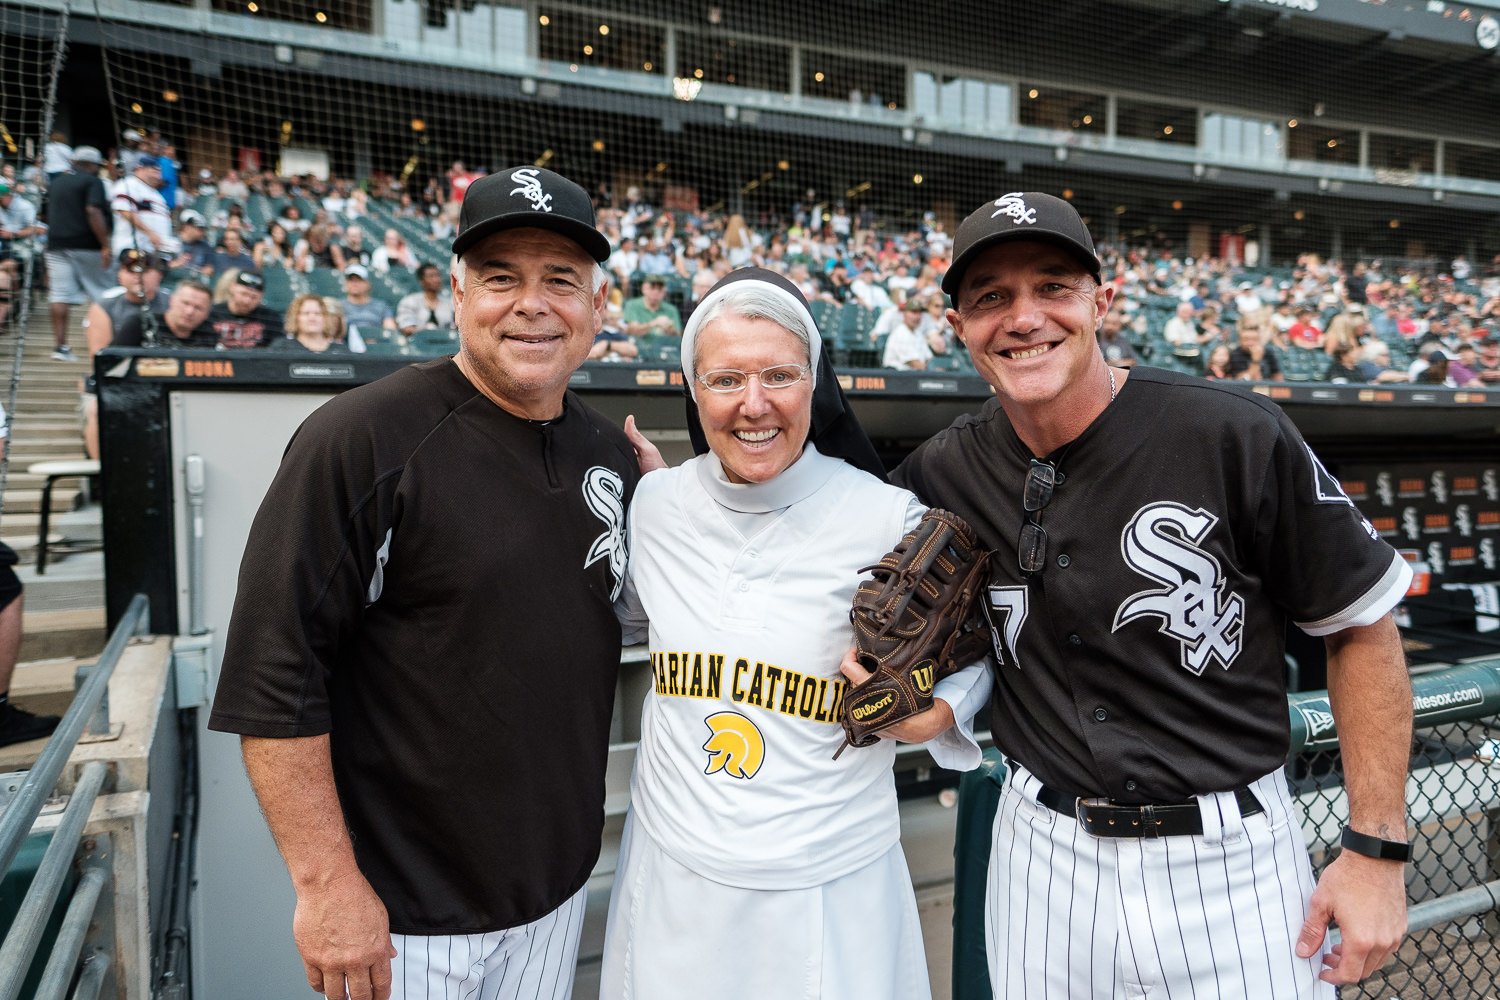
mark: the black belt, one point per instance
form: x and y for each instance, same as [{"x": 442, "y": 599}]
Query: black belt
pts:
[{"x": 1103, "y": 818}]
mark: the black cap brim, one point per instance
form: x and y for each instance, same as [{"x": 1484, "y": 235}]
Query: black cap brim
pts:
[
  {"x": 593, "y": 242},
  {"x": 955, "y": 274}
]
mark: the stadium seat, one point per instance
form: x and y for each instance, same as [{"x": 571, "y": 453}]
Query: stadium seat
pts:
[{"x": 434, "y": 342}]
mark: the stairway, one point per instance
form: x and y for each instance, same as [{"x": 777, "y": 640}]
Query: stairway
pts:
[{"x": 64, "y": 610}]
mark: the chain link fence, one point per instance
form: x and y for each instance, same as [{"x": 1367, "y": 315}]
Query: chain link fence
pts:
[
  {"x": 1452, "y": 951},
  {"x": 1453, "y": 797}
]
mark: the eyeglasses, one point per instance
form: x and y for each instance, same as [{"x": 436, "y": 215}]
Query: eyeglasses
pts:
[
  {"x": 1031, "y": 549},
  {"x": 733, "y": 380}
]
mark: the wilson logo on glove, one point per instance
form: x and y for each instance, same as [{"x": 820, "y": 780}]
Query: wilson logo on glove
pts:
[
  {"x": 868, "y": 712},
  {"x": 915, "y": 622}
]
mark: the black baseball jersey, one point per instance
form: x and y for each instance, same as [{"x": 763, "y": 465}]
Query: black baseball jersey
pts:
[
  {"x": 431, "y": 580},
  {"x": 1190, "y": 523},
  {"x": 261, "y": 327}
]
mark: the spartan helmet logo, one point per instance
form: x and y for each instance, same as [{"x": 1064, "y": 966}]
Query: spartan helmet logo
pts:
[
  {"x": 1383, "y": 489},
  {"x": 1014, "y": 206},
  {"x": 1410, "y": 523},
  {"x": 1439, "y": 481},
  {"x": 529, "y": 186},
  {"x": 736, "y": 746}
]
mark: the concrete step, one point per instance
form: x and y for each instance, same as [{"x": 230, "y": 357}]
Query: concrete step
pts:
[
  {"x": 35, "y": 448},
  {"x": 83, "y": 522},
  {"x": 19, "y": 479},
  {"x": 46, "y": 686},
  {"x": 30, "y": 501},
  {"x": 48, "y": 635},
  {"x": 49, "y": 426}
]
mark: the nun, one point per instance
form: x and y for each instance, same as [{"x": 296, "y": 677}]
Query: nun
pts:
[{"x": 753, "y": 864}]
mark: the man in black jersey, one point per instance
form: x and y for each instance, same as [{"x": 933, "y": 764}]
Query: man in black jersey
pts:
[
  {"x": 242, "y": 321},
  {"x": 422, "y": 655},
  {"x": 1156, "y": 534}
]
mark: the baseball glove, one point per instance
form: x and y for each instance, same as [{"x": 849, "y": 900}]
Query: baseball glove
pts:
[{"x": 914, "y": 623}]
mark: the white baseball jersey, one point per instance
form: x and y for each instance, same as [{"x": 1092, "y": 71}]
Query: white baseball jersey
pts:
[{"x": 747, "y": 589}]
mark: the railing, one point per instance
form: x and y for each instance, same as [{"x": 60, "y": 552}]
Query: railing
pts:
[
  {"x": 1452, "y": 949},
  {"x": 63, "y": 853}
]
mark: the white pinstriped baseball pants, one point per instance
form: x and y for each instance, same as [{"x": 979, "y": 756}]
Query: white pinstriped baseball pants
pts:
[
  {"x": 535, "y": 961},
  {"x": 1211, "y": 917}
]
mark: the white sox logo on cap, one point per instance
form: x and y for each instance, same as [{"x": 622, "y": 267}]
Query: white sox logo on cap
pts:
[
  {"x": 529, "y": 186},
  {"x": 1014, "y": 205}
]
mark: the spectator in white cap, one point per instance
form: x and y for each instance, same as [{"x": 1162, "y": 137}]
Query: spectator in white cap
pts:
[
  {"x": 78, "y": 257},
  {"x": 197, "y": 253},
  {"x": 364, "y": 316}
]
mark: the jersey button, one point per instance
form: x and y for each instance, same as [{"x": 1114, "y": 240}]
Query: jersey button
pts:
[
  {"x": 1100, "y": 715},
  {"x": 1075, "y": 639},
  {"x": 1130, "y": 785},
  {"x": 744, "y": 585},
  {"x": 1063, "y": 560}
]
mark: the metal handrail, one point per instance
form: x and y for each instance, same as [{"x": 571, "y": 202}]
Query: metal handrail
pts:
[
  {"x": 75, "y": 927},
  {"x": 20, "y": 944},
  {"x": 17, "y": 820}
]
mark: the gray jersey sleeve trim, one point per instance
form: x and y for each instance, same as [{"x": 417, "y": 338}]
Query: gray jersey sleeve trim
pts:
[{"x": 1371, "y": 605}]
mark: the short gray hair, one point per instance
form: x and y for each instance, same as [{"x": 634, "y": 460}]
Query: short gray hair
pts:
[{"x": 752, "y": 301}]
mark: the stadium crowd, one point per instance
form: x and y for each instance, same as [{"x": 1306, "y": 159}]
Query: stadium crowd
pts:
[{"x": 374, "y": 253}]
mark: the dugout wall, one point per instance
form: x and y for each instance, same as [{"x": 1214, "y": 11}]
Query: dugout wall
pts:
[{"x": 1412, "y": 459}]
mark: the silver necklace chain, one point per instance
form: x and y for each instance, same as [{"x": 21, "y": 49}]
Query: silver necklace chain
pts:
[{"x": 1111, "y": 382}]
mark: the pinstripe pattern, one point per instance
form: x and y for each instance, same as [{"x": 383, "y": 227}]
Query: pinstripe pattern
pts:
[
  {"x": 1212, "y": 917},
  {"x": 535, "y": 961}
]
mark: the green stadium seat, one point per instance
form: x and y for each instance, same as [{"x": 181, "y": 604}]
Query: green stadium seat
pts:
[
  {"x": 386, "y": 348},
  {"x": 434, "y": 343}
]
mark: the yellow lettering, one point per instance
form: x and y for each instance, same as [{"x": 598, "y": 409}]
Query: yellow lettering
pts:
[
  {"x": 672, "y": 667},
  {"x": 839, "y": 687},
  {"x": 865, "y": 711},
  {"x": 754, "y": 697},
  {"x": 715, "y": 673},
  {"x": 821, "y": 715},
  {"x": 740, "y": 666},
  {"x": 778, "y": 677},
  {"x": 809, "y": 698},
  {"x": 695, "y": 689}
]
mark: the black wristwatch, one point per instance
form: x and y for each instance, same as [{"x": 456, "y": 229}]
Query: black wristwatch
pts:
[{"x": 1374, "y": 847}]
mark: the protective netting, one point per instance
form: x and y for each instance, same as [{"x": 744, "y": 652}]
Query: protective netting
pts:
[
  {"x": 32, "y": 47},
  {"x": 1455, "y": 825},
  {"x": 1209, "y": 146}
]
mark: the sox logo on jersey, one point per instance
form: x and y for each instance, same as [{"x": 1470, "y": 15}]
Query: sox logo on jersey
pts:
[
  {"x": 604, "y": 492},
  {"x": 1162, "y": 541}
]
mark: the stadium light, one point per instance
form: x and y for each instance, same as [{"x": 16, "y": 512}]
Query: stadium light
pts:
[{"x": 685, "y": 88}]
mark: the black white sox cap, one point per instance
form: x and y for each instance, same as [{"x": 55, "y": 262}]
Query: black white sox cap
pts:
[
  {"x": 1020, "y": 215},
  {"x": 531, "y": 197}
]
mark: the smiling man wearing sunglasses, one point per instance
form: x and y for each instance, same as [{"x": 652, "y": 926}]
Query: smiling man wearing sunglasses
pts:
[{"x": 1155, "y": 535}]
